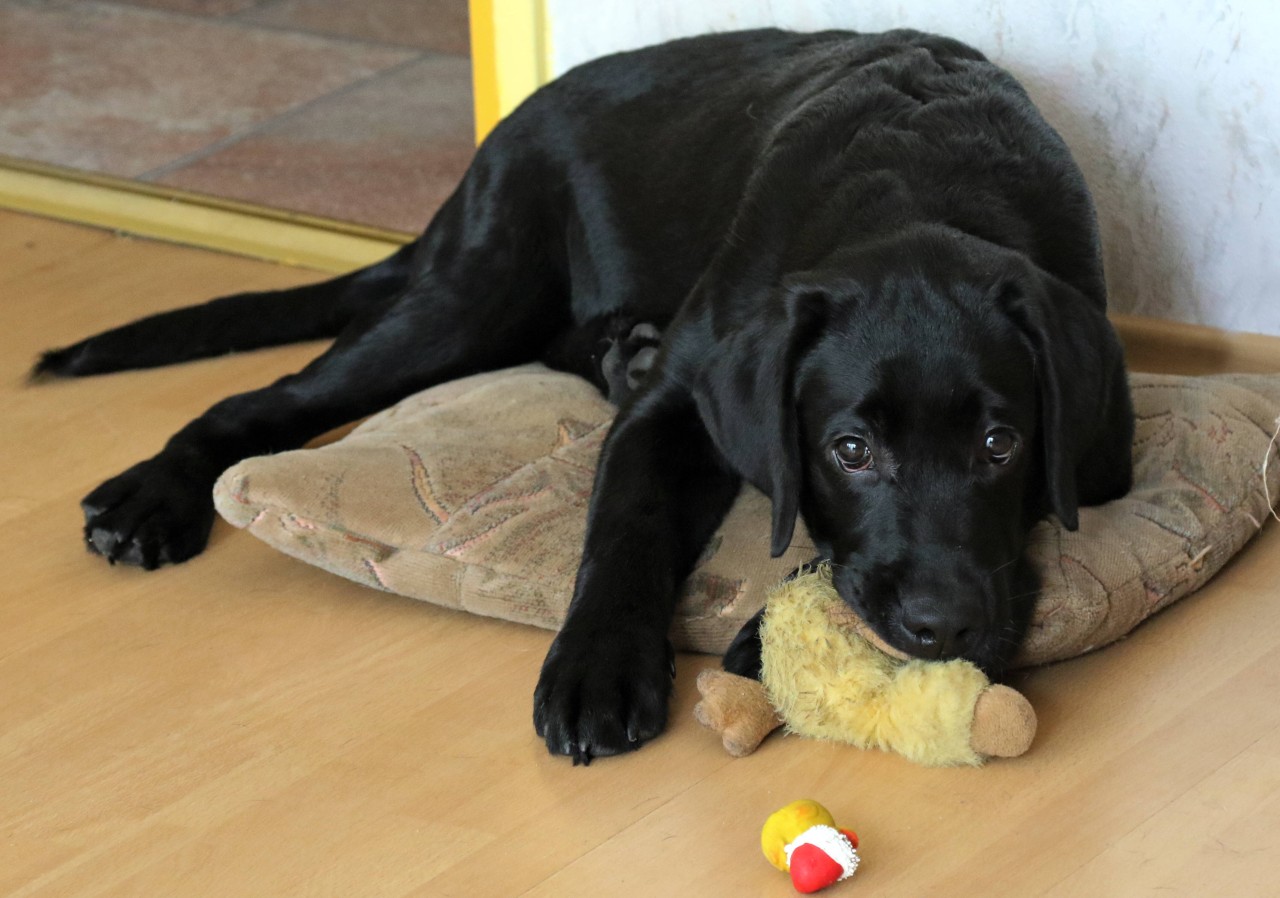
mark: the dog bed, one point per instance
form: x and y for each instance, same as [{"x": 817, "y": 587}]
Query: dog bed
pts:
[{"x": 473, "y": 495}]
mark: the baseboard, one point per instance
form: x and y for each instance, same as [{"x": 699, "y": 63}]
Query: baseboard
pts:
[
  {"x": 1154, "y": 344},
  {"x": 177, "y": 216}
]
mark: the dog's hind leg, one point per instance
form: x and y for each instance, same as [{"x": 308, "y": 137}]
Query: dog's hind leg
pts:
[
  {"x": 160, "y": 510},
  {"x": 614, "y": 351},
  {"x": 481, "y": 300}
]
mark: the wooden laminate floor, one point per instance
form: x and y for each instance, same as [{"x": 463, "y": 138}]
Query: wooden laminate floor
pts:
[{"x": 243, "y": 725}]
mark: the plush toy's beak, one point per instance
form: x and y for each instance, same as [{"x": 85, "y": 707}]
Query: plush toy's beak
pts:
[{"x": 821, "y": 856}]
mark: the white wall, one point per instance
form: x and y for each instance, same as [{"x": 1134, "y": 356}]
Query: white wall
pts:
[{"x": 1172, "y": 110}]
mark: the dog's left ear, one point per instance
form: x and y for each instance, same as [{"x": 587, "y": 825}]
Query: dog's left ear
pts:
[
  {"x": 746, "y": 402},
  {"x": 1086, "y": 416}
]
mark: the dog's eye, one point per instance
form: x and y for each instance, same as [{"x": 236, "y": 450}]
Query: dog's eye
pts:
[
  {"x": 852, "y": 454},
  {"x": 999, "y": 445}
]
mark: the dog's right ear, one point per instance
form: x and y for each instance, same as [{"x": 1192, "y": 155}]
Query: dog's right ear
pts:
[
  {"x": 746, "y": 401},
  {"x": 1086, "y": 417}
]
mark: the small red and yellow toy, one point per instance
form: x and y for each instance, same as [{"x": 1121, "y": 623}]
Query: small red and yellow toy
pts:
[{"x": 802, "y": 839}]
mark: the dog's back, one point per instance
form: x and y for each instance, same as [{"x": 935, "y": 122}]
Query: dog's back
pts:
[{"x": 648, "y": 155}]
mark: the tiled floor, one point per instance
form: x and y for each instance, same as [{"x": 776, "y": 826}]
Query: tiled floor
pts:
[{"x": 354, "y": 109}]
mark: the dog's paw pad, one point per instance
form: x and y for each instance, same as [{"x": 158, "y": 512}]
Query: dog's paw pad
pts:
[
  {"x": 628, "y": 360},
  {"x": 147, "y": 517}
]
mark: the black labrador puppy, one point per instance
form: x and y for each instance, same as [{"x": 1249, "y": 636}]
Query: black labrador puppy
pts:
[{"x": 877, "y": 276}]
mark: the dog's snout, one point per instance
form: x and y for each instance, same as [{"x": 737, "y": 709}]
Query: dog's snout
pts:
[{"x": 936, "y": 629}]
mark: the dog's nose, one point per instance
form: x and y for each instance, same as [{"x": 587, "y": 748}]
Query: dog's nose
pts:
[{"x": 936, "y": 630}]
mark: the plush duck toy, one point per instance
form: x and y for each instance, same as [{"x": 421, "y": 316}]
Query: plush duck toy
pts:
[{"x": 827, "y": 675}]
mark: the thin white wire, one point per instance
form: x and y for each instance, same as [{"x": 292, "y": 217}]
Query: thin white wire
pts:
[{"x": 1266, "y": 487}]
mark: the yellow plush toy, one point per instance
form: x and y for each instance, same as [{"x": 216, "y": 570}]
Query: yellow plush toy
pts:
[{"x": 826, "y": 674}]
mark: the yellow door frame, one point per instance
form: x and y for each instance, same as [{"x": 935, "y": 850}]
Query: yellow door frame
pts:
[
  {"x": 510, "y": 56},
  {"x": 510, "y": 59}
]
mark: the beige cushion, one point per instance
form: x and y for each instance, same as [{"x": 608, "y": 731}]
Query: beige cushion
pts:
[
  {"x": 1198, "y": 497},
  {"x": 473, "y": 495}
]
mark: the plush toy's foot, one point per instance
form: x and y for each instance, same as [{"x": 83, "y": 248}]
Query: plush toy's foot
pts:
[
  {"x": 737, "y": 708},
  {"x": 1004, "y": 723}
]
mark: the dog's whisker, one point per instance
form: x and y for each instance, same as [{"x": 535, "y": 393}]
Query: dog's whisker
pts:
[{"x": 1012, "y": 561}]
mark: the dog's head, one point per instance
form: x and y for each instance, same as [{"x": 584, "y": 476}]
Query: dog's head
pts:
[{"x": 922, "y": 419}]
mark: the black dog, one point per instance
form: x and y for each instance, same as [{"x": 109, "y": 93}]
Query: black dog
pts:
[{"x": 877, "y": 274}]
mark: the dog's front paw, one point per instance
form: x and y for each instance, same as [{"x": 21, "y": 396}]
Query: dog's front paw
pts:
[
  {"x": 604, "y": 693},
  {"x": 150, "y": 515}
]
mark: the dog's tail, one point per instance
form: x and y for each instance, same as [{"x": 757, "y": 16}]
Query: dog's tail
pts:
[{"x": 232, "y": 323}]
